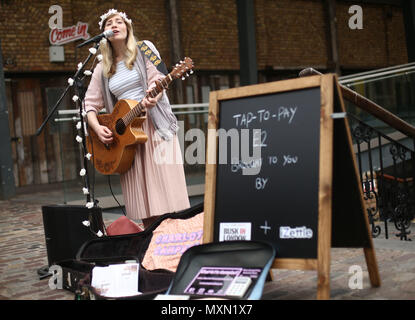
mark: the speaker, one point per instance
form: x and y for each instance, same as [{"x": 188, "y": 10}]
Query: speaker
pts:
[{"x": 65, "y": 232}]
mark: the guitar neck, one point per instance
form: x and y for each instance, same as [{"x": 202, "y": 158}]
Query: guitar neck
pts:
[
  {"x": 160, "y": 86},
  {"x": 139, "y": 110}
]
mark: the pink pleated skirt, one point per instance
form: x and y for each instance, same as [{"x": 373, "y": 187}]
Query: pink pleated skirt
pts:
[{"x": 156, "y": 182}]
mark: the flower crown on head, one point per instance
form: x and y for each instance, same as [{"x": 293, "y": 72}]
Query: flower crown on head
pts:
[{"x": 111, "y": 12}]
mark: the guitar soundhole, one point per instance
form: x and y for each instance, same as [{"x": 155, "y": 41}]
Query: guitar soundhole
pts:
[{"x": 120, "y": 127}]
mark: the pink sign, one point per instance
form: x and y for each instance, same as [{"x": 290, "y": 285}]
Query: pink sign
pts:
[
  {"x": 69, "y": 34},
  {"x": 170, "y": 240}
]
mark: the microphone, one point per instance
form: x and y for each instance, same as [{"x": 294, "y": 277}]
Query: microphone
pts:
[{"x": 105, "y": 34}]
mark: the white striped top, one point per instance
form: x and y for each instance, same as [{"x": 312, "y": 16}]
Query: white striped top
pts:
[{"x": 126, "y": 84}]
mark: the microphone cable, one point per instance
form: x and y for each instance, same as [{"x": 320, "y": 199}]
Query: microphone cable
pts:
[{"x": 113, "y": 195}]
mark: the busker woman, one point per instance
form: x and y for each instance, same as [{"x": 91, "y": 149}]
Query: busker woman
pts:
[{"x": 150, "y": 188}]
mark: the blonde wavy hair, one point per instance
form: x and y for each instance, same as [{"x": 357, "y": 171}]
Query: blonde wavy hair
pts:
[{"x": 108, "y": 63}]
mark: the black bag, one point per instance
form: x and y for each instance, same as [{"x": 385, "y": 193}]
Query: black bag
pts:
[
  {"x": 117, "y": 249},
  {"x": 74, "y": 271}
]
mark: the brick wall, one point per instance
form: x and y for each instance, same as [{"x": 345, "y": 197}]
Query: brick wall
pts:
[
  {"x": 209, "y": 32},
  {"x": 25, "y": 33},
  {"x": 293, "y": 33},
  {"x": 290, "y": 33},
  {"x": 380, "y": 43}
]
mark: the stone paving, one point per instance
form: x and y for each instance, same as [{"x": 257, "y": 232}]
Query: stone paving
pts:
[
  {"x": 396, "y": 268},
  {"x": 23, "y": 252}
]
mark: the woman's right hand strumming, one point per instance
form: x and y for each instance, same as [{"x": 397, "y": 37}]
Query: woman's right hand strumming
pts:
[{"x": 104, "y": 134}]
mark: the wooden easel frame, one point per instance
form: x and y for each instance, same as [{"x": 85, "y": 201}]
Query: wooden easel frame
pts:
[{"x": 328, "y": 83}]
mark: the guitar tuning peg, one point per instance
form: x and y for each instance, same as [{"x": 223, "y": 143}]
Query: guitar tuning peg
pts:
[
  {"x": 183, "y": 78},
  {"x": 187, "y": 75},
  {"x": 177, "y": 64},
  {"x": 191, "y": 71}
]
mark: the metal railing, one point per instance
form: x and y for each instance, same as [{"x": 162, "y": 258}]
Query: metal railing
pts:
[
  {"x": 388, "y": 98},
  {"x": 386, "y": 172},
  {"x": 75, "y": 112},
  {"x": 386, "y": 165},
  {"x": 386, "y": 159},
  {"x": 378, "y": 74},
  {"x": 67, "y": 119}
]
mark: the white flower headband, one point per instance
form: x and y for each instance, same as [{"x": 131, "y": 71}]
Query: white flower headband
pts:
[{"x": 111, "y": 12}]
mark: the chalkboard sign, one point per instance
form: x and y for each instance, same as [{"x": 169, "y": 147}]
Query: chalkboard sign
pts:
[
  {"x": 270, "y": 174},
  {"x": 280, "y": 203}
]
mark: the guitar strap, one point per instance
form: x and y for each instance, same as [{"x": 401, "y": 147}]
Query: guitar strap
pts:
[{"x": 158, "y": 63}]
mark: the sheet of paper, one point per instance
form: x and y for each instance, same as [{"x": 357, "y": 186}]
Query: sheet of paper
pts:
[{"x": 117, "y": 280}]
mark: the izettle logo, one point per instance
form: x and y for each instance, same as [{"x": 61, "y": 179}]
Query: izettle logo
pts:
[{"x": 295, "y": 233}]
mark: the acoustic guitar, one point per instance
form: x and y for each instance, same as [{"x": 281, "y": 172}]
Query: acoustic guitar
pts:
[{"x": 125, "y": 122}]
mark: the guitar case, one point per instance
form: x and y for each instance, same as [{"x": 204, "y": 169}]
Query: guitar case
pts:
[{"x": 109, "y": 250}]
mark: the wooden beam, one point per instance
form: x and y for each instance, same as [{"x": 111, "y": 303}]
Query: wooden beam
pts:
[
  {"x": 370, "y": 254},
  {"x": 211, "y": 169},
  {"x": 332, "y": 34},
  {"x": 325, "y": 189},
  {"x": 247, "y": 42},
  {"x": 176, "y": 48},
  {"x": 409, "y": 21},
  {"x": 295, "y": 264}
]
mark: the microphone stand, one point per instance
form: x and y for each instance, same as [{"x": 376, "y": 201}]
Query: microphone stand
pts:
[{"x": 80, "y": 92}]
